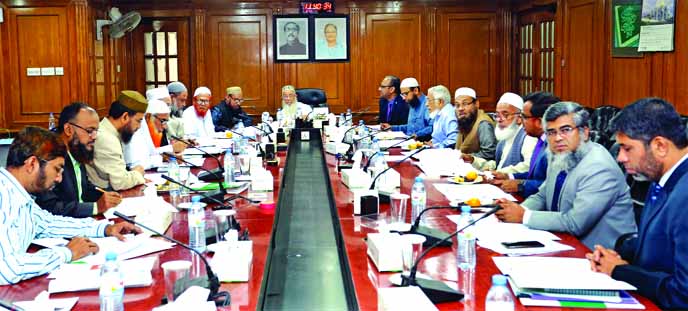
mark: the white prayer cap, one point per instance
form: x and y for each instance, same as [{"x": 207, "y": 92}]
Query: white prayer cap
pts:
[
  {"x": 201, "y": 90},
  {"x": 511, "y": 99},
  {"x": 157, "y": 93},
  {"x": 409, "y": 82},
  {"x": 156, "y": 106},
  {"x": 465, "y": 91}
]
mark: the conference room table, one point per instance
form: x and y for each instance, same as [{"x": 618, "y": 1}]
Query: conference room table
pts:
[{"x": 439, "y": 264}]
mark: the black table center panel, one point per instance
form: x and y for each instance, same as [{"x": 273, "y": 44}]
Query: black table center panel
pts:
[{"x": 307, "y": 267}]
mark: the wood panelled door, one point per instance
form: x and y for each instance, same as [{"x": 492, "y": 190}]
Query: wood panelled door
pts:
[
  {"x": 37, "y": 44},
  {"x": 534, "y": 46}
]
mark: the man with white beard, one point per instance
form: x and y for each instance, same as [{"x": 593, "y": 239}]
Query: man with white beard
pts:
[
  {"x": 514, "y": 148},
  {"x": 585, "y": 192}
]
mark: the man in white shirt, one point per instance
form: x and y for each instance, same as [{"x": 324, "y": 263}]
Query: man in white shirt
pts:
[
  {"x": 514, "y": 148},
  {"x": 292, "y": 108},
  {"x": 197, "y": 119},
  {"x": 151, "y": 139}
]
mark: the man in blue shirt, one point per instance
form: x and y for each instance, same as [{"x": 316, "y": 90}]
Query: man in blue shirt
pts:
[
  {"x": 419, "y": 122},
  {"x": 445, "y": 127}
]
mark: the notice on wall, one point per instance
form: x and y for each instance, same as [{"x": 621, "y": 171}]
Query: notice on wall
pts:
[
  {"x": 657, "y": 26},
  {"x": 626, "y": 28}
]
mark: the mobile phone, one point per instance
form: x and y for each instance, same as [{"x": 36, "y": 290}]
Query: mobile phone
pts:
[{"x": 522, "y": 244}]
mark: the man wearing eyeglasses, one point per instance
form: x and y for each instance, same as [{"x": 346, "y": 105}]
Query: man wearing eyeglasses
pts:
[
  {"x": 393, "y": 109},
  {"x": 152, "y": 139},
  {"x": 197, "y": 121},
  {"x": 35, "y": 163},
  {"x": 444, "y": 124},
  {"x": 227, "y": 114},
  {"x": 419, "y": 122},
  {"x": 585, "y": 192},
  {"x": 178, "y": 97},
  {"x": 75, "y": 195},
  {"x": 514, "y": 148},
  {"x": 476, "y": 129},
  {"x": 108, "y": 170}
]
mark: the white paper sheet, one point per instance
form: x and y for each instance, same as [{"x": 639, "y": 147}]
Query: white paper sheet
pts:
[
  {"x": 80, "y": 277},
  {"x": 556, "y": 273},
  {"x": 486, "y": 193},
  {"x": 43, "y": 302},
  {"x": 133, "y": 206}
]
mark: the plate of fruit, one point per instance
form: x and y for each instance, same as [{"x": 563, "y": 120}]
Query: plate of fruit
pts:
[
  {"x": 412, "y": 146},
  {"x": 469, "y": 179}
]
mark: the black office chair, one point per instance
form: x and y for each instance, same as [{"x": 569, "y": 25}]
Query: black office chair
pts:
[
  {"x": 312, "y": 97},
  {"x": 600, "y": 119}
]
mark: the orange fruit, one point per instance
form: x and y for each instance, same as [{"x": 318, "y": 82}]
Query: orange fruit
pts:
[
  {"x": 228, "y": 134},
  {"x": 412, "y": 146},
  {"x": 473, "y": 202},
  {"x": 471, "y": 176}
]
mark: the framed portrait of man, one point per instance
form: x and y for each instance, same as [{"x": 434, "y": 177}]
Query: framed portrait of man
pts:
[
  {"x": 331, "y": 36},
  {"x": 291, "y": 37}
]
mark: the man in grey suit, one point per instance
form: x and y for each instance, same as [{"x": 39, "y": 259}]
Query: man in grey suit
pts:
[{"x": 585, "y": 192}]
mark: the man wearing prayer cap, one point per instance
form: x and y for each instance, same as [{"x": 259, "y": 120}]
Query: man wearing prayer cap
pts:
[
  {"x": 476, "y": 129},
  {"x": 152, "y": 139},
  {"x": 160, "y": 93},
  {"x": 514, "y": 148},
  {"x": 178, "y": 96},
  {"x": 419, "y": 122},
  {"x": 108, "y": 170},
  {"x": 227, "y": 114},
  {"x": 197, "y": 119}
]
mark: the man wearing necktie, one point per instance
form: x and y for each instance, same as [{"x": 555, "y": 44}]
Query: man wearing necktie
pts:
[
  {"x": 585, "y": 192},
  {"x": 653, "y": 146},
  {"x": 393, "y": 108},
  {"x": 528, "y": 183}
]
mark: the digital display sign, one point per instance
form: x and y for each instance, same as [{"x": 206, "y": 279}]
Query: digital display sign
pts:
[{"x": 317, "y": 7}]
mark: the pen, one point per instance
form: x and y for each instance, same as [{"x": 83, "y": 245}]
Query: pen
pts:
[{"x": 100, "y": 189}]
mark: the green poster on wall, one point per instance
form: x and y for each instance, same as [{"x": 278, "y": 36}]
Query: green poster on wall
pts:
[{"x": 626, "y": 28}]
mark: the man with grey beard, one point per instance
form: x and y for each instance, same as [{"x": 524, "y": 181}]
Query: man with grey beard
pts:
[
  {"x": 585, "y": 192},
  {"x": 515, "y": 148},
  {"x": 75, "y": 195}
]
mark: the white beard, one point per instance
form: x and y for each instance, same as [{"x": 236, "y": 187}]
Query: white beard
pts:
[
  {"x": 508, "y": 132},
  {"x": 567, "y": 161},
  {"x": 434, "y": 113}
]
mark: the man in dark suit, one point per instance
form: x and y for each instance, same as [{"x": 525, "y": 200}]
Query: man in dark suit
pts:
[
  {"x": 654, "y": 147},
  {"x": 293, "y": 46},
  {"x": 393, "y": 108},
  {"x": 527, "y": 183},
  {"x": 76, "y": 196}
]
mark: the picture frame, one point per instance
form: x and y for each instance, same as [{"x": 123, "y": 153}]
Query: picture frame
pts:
[
  {"x": 626, "y": 28},
  {"x": 331, "y": 41},
  {"x": 291, "y": 36}
]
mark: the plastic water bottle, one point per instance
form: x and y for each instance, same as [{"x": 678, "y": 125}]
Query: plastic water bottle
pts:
[
  {"x": 196, "y": 219},
  {"x": 239, "y": 127},
  {"x": 418, "y": 196},
  {"x": 51, "y": 122},
  {"x": 173, "y": 172},
  {"x": 280, "y": 117},
  {"x": 265, "y": 117},
  {"x": 465, "y": 251},
  {"x": 375, "y": 146},
  {"x": 499, "y": 297},
  {"x": 111, "y": 284},
  {"x": 342, "y": 120},
  {"x": 229, "y": 166},
  {"x": 348, "y": 121}
]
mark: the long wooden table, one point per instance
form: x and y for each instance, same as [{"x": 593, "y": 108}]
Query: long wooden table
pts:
[{"x": 440, "y": 264}]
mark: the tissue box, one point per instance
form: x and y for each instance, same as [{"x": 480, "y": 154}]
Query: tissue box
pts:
[
  {"x": 334, "y": 148},
  {"x": 403, "y": 298},
  {"x": 232, "y": 261},
  {"x": 385, "y": 251},
  {"x": 356, "y": 178},
  {"x": 261, "y": 180},
  {"x": 391, "y": 179}
]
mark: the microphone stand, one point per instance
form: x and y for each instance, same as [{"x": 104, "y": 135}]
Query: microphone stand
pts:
[
  {"x": 211, "y": 174},
  {"x": 431, "y": 235},
  {"x": 212, "y": 282},
  {"x": 217, "y": 194},
  {"x": 214, "y": 200},
  {"x": 438, "y": 291}
]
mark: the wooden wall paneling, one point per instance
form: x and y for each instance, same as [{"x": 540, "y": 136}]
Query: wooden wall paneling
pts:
[
  {"x": 36, "y": 39},
  {"x": 237, "y": 54},
  {"x": 675, "y": 81},
  {"x": 330, "y": 77},
  {"x": 4, "y": 109},
  {"x": 81, "y": 31},
  {"x": 393, "y": 44},
  {"x": 467, "y": 42},
  {"x": 506, "y": 23},
  {"x": 198, "y": 56},
  {"x": 583, "y": 52},
  {"x": 355, "y": 36}
]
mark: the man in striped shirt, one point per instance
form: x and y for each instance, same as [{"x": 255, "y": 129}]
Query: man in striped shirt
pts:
[{"x": 34, "y": 164}]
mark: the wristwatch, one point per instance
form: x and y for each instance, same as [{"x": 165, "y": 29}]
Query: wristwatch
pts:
[{"x": 520, "y": 185}]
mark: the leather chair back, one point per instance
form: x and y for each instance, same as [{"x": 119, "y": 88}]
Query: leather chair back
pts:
[{"x": 312, "y": 97}]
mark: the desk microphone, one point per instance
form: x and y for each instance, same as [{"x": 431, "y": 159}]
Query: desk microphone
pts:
[
  {"x": 211, "y": 175},
  {"x": 212, "y": 199},
  {"x": 218, "y": 194},
  {"x": 242, "y": 135},
  {"x": 355, "y": 114},
  {"x": 431, "y": 235},
  {"x": 260, "y": 128},
  {"x": 437, "y": 291},
  {"x": 372, "y": 185},
  {"x": 212, "y": 282},
  {"x": 371, "y": 135}
]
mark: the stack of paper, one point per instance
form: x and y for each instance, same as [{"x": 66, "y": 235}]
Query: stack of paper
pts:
[
  {"x": 80, "y": 277},
  {"x": 43, "y": 302},
  {"x": 486, "y": 193},
  {"x": 565, "y": 282},
  {"x": 491, "y": 233},
  {"x": 133, "y": 206}
]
